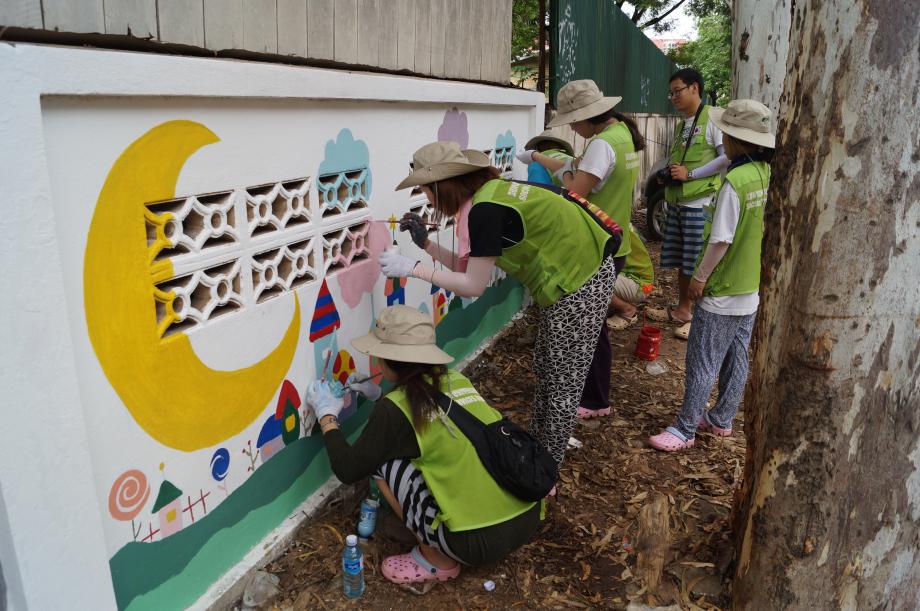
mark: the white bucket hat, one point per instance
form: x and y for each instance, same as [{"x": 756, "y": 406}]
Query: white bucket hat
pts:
[
  {"x": 403, "y": 334},
  {"x": 579, "y": 100},
  {"x": 549, "y": 136},
  {"x": 440, "y": 160},
  {"x": 747, "y": 120}
]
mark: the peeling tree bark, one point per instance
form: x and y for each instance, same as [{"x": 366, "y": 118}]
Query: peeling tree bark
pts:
[
  {"x": 760, "y": 46},
  {"x": 830, "y": 514}
]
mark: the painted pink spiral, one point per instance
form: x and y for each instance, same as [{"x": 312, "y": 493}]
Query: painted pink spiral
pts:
[{"x": 128, "y": 495}]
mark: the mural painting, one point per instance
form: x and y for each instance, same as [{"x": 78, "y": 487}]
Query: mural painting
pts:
[{"x": 167, "y": 274}]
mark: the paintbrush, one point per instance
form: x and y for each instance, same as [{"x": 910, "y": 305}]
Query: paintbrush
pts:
[
  {"x": 397, "y": 222},
  {"x": 376, "y": 375}
]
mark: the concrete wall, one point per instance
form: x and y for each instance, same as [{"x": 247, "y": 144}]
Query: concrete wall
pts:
[
  {"x": 188, "y": 242},
  {"x": 462, "y": 39}
]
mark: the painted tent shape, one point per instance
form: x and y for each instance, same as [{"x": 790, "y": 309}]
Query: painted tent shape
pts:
[
  {"x": 286, "y": 412},
  {"x": 325, "y": 315},
  {"x": 270, "y": 440},
  {"x": 168, "y": 508}
]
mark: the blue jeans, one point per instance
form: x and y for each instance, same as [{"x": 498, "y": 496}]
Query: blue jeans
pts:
[{"x": 717, "y": 346}]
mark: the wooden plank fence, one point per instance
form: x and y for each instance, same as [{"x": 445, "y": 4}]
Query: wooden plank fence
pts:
[{"x": 464, "y": 39}]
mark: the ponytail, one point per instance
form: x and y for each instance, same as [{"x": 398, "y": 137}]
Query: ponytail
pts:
[
  {"x": 421, "y": 382},
  {"x": 637, "y": 138}
]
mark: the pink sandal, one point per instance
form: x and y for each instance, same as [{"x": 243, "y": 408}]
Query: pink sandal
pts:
[
  {"x": 584, "y": 413},
  {"x": 667, "y": 441},
  {"x": 712, "y": 429},
  {"x": 413, "y": 568}
]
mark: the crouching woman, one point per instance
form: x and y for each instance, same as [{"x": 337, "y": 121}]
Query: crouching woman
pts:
[{"x": 427, "y": 470}]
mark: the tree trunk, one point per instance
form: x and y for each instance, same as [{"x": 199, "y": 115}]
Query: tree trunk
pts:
[
  {"x": 830, "y": 514},
  {"x": 760, "y": 46}
]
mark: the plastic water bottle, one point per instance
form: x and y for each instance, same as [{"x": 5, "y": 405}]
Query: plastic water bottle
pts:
[
  {"x": 368, "y": 520},
  {"x": 352, "y": 568}
]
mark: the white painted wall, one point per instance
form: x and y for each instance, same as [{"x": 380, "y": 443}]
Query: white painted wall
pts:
[{"x": 65, "y": 115}]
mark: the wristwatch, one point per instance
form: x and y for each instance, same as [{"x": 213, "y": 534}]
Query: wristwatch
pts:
[{"x": 690, "y": 174}]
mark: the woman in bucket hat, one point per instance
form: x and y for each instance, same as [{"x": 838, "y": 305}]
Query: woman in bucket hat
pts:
[
  {"x": 606, "y": 173},
  {"x": 549, "y": 145},
  {"x": 726, "y": 279},
  {"x": 559, "y": 248},
  {"x": 426, "y": 469}
]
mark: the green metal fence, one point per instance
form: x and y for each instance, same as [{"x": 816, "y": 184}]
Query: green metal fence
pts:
[{"x": 594, "y": 39}]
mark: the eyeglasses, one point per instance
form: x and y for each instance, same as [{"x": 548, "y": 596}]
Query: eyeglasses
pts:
[{"x": 676, "y": 92}]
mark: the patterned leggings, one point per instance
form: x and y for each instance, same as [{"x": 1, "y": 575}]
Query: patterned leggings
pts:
[{"x": 567, "y": 336}]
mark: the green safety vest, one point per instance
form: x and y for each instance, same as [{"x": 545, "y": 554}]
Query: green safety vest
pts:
[
  {"x": 699, "y": 153},
  {"x": 638, "y": 267},
  {"x": 561, "y": 156},
  {"x": 616, "y": 196},
  {"x": 738, "y": 273},
  {"x": 563, "y": 245},
  {"x": 467, "y": 495}
]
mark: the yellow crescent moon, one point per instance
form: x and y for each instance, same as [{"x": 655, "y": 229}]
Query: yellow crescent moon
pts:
[{"x": 173, "y": 396}]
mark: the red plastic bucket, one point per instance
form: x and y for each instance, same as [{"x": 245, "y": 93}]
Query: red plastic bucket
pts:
[{"x": 648, "y": 343}]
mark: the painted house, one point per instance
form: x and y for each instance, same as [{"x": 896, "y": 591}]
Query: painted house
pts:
[
  {"x": 191, "y": 237},
  {"x": 270, "y": 440},
  {"x": 168, "y": 508}
]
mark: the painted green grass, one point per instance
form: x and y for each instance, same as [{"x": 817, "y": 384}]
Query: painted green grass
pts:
[{"x": 176, "y": 571}]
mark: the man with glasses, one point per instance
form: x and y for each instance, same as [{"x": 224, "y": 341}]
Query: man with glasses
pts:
[{"x": 695, "y": 164}]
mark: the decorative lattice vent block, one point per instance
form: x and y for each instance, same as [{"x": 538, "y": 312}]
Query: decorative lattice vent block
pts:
[
  {"x": 277, "y": 206},
  {"x": 189, "y": 301},
  {"x": 343, "y": 192},
  {"x": 344, "y": 247},
  {"x": 190, "y": 224},
  {"x": 277, "y": 271}
]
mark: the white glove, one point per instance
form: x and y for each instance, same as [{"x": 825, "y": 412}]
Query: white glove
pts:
[
  {"x": 366, "y": 387},
  {"x": 567, "y": 167},
  {"x": 320, "y": 398},
  {"x": 526, "y": 156},
  {"x": 395, "y": 265}
]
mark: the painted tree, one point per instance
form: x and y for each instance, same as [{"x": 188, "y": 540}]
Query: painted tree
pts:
[
  {"x": 760, "y": 44},
  {"x": 830, "y": 513}
]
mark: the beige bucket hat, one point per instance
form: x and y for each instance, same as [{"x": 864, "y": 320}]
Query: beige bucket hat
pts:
[
  {"x": 579, "y": 100},
  {"x": 747, "y": 120},
  {"x": 549, "y": 136},
  {"x": 403, "y": 334},
  {"x": 440, "y": 160}
]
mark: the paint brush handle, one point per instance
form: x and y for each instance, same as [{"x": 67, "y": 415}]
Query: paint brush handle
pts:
[
  {"x": 397, "y": 222},
  {"x": 362, "y": 380}
]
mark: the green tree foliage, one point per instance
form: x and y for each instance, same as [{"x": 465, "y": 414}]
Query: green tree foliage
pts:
[
  {"x": 525, "y": 27},
  {"x": 710, "y": 53},
  {"x": 657, "y": 14}
]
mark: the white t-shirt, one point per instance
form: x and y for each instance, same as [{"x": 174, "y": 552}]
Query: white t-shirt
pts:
[
  {"x": 713, "y": 139},
  {"x": 724, "y": 222},
  {"x": 598, "y": 160}
]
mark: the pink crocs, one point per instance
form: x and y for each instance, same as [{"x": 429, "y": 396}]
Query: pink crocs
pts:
[
  {"x": 413, "y": 568},
  {"x": 712, "y": 429},
  {"x": 669, "y": 442},
  {"x": 584, "y": 413}
]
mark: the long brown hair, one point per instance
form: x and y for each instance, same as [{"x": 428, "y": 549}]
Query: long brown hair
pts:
[
  {"x": 421, "y": 382},
  {"x": 450, "y": 193},
  {"x": 637, "y": 137}
]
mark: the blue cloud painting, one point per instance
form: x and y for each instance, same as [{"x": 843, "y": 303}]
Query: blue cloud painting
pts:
[{"x": 345, "y": 154}]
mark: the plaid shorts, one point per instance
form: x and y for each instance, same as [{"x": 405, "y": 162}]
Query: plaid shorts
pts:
[{"x": 683, "y": 238}]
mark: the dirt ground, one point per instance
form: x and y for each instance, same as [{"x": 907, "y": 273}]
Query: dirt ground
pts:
[{"x": 585, "y": 554}]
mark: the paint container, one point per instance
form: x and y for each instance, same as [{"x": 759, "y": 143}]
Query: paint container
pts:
[
  {"x": 648, "y": 343},
  {"x": 368, "y": 520}
]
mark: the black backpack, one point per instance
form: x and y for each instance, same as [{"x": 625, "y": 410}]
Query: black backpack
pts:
[{"x": 512, "y": 456}]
